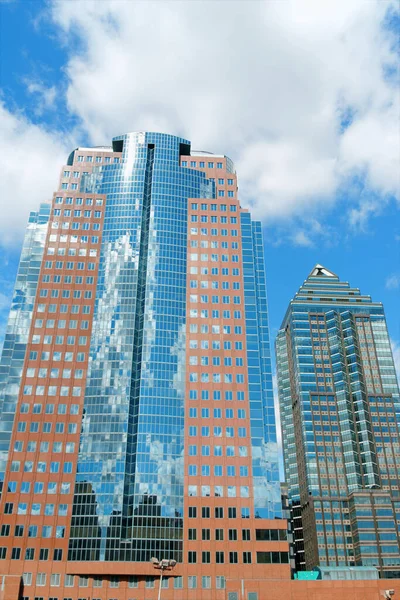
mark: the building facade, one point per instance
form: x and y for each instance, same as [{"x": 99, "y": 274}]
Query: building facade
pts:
[
  {"x": 340, "y": 415},
  {"x": 137, "y": 413}
]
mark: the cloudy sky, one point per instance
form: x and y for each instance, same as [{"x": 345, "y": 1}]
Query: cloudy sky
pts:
[{"x": 302, "y": 95}]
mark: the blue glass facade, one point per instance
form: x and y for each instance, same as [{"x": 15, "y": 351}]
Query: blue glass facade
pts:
[
  {"x": 267, "y": 496},
  {"x": 18, "y": 326},
  {"x": 131, "y": 453}
]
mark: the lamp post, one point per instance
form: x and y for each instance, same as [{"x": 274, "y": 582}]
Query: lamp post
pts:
[{"x": 164, "y": 565}]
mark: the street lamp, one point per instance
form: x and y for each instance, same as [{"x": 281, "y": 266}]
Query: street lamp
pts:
[{"x": 164, "y": 565}]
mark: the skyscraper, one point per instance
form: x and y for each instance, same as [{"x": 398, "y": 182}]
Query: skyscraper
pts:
[
  {"x": 137, "y": 414},
  {"x": 340, "y": 414}
]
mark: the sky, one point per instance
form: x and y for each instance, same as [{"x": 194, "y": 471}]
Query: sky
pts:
[{"x": 303, "y": 95}]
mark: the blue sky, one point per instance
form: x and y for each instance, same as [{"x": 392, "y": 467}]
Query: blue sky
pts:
[{"x": 303, "y": 97}]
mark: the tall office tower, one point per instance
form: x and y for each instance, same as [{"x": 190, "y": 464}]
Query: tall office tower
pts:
[
  {"x": 137, "y": 412},
  {"x": 340, "y": 414}
]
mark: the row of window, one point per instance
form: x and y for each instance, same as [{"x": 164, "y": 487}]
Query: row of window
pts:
[
  {"x": 242, "y": 451},
  {"x": 76, "y": 294},
  {"x": 92, "y": 252},
  {"x": 69, "y": 186},
  {"x": 41, "y": 466},
  {"x": 215, "y": 299},
  {"x": 194, "y": 257},
  {"x": 75, "y": 225},
  {"x": 216, "y": 395},
  {"x": 205, "y": 431},
  {"x": 261, "y": 557},
  {"x": 218, "y": 470},
  {"x": 30, "y": 555},
  {"x": 59, "y": 339},
  {"x": 64, "y": 308},
  {"x": 273, "y": 535},
  {"x": 77, "y": 201},
  {"x": 215, "y": 345},
  {"x": 77, "y": 280},
  {"x": 44, "y": 372},
  {"x": 113, "y": 582},
  {"x": 50, "y": 409},
  {"x": 216, "y": 377},
  {"x": 49, "y": 510},
  {"x": 61, "y": 324},
  {"x": 218, "y": 491},
  {"x": 217, "y": 413},
  {"x": 226, "y": 329},
  {"x": 74, "y": 239},
  {"x": 57, "y": 447},
  {"x": 213, "y": 244},
  {"x": 89, "y": 158},
  {"x": 202, "y": 165},
  {"x": 86, "y": 214},
  {"x": 215, "y": 360},
  {"x": 58, "y": 356},
  {"x": 222, "y": 220},
  {"x": 204, "y": 219},
  {"x": 214, "y": 271}
]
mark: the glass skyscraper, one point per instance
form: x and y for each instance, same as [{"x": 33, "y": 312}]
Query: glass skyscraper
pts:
[
  {"x": 137, "y": 413},
  {"x": 340, "y": 414}
]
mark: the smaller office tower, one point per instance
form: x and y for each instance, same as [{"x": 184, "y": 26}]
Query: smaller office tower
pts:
[{"x": 340, "y": 414}]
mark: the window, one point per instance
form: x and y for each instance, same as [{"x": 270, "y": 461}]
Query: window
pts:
[
  {"x": 192, "y": 557},
  {"x": 232, "y": 534},
  {"x": 5, "y": 530},
  {"x": 233, "y": 557},
  {"x": 206, "y": 582},
  {"x": 247, "y": 558},
  {"x": 246, "y": 535},
  {"x": 8, "y": 508},
  {"x": 192, "y": 582},
  {"x": 205, "y": 512},
  {"x": 133, "y": 582},
  {"x": 178, "y": 583},
  {"x": 55, "y": 579},
  {"x": 29, "y": 554},
  {"x": 19, "y": 531},
  {"x": 205, "y": 557},
  {"x": 219, "y": 558},
  {"x": 41, "y": 579},
  {"x": 149, "y": 582}
]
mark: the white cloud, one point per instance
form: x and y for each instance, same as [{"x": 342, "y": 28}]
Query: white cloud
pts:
[
  {"x": 45, "y": 96},
  {"x": 300, "y": 238},
  {"x": 265, "y": 82},
  {"x": 31, "y": 159},
  {"x": 393, "y": 282}
]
